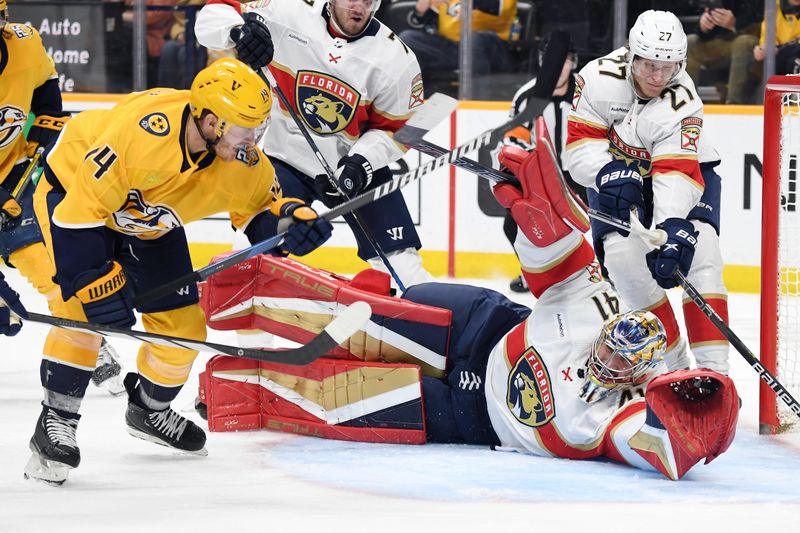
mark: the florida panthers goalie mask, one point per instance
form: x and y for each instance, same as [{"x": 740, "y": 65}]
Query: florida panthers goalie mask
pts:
[
  {"x": 626, "y": 352},
  {"x": 657, "y": 40}
]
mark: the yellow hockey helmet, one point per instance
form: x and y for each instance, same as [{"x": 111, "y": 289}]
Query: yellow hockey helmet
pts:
[{"x": 233, "y": 92}]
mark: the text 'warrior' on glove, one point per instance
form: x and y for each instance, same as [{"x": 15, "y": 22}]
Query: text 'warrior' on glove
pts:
[
  {"x": 619, "y": 188},
  {"x": 307, "y": 230},
  {"x": 675, "y": 254},
  {"x": 105, "y": 295},
  {"x": 253, "y": 41}
]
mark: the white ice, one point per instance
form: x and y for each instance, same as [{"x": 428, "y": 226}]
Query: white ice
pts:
[{"x": 266, "y": 481}]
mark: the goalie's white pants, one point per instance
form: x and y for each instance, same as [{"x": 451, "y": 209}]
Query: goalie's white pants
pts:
[{"x": 627, "y": 267}]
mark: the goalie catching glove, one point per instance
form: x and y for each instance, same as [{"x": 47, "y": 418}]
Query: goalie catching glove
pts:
[
  {"x": 105, "y": 295},
  {"x": 306, "y": 230},
  {"x": 44, "y": 130}
]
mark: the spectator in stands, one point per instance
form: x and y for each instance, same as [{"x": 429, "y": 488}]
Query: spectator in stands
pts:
[
  {"x": 436, "y": 30},
  {"x": 159, "y": 24},
  {"x": 725, "y": 36},
  {"x": 172, "y": 71},
  {"x": 787, "y": 38}
]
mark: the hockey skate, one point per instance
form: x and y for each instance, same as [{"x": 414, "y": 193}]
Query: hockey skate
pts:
[
  {"x": 54, "y": 448},
  {"x": 108, "y": 373},
  {"x": 166, "y": 427}
]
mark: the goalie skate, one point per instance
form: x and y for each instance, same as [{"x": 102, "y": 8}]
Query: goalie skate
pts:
[
  {"x": 54, "y": 448},
  {"x": 108, "y": 373}
]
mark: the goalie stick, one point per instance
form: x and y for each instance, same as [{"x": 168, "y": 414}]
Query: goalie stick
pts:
[
  {"x": 552, "y": 64},
  {"x": 349, "y": 321},
  {"x": 655, "y": 238}
]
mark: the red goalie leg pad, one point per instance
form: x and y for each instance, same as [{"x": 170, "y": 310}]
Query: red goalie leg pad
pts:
[
  {"x": 294, "y": 301},
  {"x": 698, "y": 326},
  {"x": 330, "y": 398},
  {"x": 530, "y": 207},
  {"x": 679, "y": 431},
  {"x": 561, "y": 269},
  {"x": 565, "y": 202}
]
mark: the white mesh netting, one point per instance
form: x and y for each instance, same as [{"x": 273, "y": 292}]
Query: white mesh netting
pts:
[{"x": 788, "y": 370}]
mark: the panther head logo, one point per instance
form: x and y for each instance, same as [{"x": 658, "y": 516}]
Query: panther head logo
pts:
[
  {"x": 327, "y": 104},
  {"x": 529, "y": 393},
  {"x": 12, "y": 121}
]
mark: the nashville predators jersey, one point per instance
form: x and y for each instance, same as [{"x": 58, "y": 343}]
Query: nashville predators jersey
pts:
[
  {"x": 350, "y": 94},
  {"x": 499, "y": 22},
  {"x": 24, "y": 66},
  {"x": 128, "y": 168},
  {"x": 661, "y": 136},
  {"x": 535, "y": 373}
]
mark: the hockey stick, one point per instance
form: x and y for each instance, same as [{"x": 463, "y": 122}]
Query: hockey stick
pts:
[
  {"x": 655, "y": 238},
  {"x": 25, "y": 180},
  {"x": 349, "y": 321},
  {"x": 361, "y": 200}
]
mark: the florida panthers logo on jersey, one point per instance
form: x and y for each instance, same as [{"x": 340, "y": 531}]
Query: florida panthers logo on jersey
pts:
[
  {"x": 622, "y": 151},
  {"x": 530, "y": 397},
  {"x": 326, "y": 104},
  {"x": 12, "y": 120},
  {"x": 142, "y": 220},
  {"x": 155, "y": 123}
]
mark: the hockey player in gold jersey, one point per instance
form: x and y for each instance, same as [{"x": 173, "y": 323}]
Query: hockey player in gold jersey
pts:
[
  {"x": 118, "y": 186},
  {"x": 28, "y": 82}
]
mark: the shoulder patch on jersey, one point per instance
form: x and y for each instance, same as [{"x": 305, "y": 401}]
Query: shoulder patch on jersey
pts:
[
  {"x": 12, "y": 121},
  {"x": 417, "y": 92},
  {"x": 576, "y": 95},
  {"x": 249, "y": 6},
  {"x": 248, "y": 155},
  {"x": 690, "y": 133},
  {"x": 594, "y": 271},
  {"x": 155, "y": 123},
  {"x": 22, "y": 31},
  {"x": 327, "y": 104},
  {"x": 530, "y": 397}
]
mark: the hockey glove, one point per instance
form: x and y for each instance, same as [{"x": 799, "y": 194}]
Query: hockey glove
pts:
[
  {"x": 105, "y": 295},
  {"x": 306, "y": 231},
  {"x": 44, "y": 130},
  {"x": 354, "y": 174},
  {"x": 695, "y": 389},
  {"x": 9, "y": 207},
  {"x": 253, "y": 41},
  {"x": 9, "y": 307},
  {"x": 675, "y": 254},
  {"x": 619, "y": 188}
]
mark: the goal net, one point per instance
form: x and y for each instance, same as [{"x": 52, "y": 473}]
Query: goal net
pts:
[{"x": 780, "y": 251}]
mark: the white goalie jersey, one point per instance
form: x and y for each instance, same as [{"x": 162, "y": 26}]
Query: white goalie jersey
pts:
[
  {"x": 351, "y": 94},
  {"x": 662, "y": 136},
  {"x": 535, "y": 373}
]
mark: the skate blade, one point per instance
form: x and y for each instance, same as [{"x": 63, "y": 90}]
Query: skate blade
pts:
[
  {"x": 113, "y": 386},
  {"x": 149, "y": 438},
  {"x": 50, "y": 472}
]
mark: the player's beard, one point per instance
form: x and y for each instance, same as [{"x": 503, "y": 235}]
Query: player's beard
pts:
[{"x": 348, "y": 22}]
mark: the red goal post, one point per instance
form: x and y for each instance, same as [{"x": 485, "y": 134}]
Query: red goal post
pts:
[{"x": 780, "y": 249}]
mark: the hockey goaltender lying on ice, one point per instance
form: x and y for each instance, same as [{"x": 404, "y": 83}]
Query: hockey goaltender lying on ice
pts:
[{"x": 576, "y": 377}]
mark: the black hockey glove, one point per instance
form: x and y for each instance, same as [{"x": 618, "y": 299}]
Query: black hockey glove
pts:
[
  {"x": 45, "y": 130},
  {"x": 675, "y": 254},
  {"x": 619, "y": 188},
  {"x": 253, "y": 41},
  {"x": 307, "y": 231},
  {"x": 105, "y": 295},
  {"x": 9, "y": 303}
]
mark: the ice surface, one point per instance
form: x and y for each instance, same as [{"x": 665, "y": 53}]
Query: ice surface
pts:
[{"x": 270, "y": 482}]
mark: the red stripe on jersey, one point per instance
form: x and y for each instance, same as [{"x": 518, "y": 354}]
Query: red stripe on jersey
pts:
[
  {"x": 666, "y": 314},
  {"x": 378, "y": 121},
  {"x": 609, "y": 448},
  {"x": 581, "y": 257},
  {"x": 285, "y": 81},
  {"x": 578, "y": 131},
  {"x": 233, "y": 3},
  {"x": 699, "y": 327},
  {"x": 690, "y": 167}
]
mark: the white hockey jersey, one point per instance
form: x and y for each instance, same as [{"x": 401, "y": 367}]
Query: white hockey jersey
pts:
[
  {"x": 535, "y": 373},
  {"x": 661, "y": 135},
  {"x": 351, "y": 94}
]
